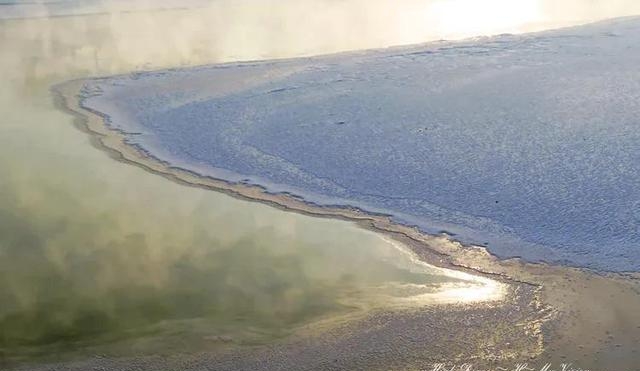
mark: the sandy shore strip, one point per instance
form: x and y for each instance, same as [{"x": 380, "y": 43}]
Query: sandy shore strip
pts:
[{"x": 552, "y": 314}]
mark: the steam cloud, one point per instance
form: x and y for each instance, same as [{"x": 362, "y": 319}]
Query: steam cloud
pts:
[{"x": 199, "y": 31}]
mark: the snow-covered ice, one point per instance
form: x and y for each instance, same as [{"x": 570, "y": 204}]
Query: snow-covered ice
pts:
[{"x": 527, "y": 144}]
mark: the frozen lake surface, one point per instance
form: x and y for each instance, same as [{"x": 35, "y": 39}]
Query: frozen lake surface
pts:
[{"x": 527, "y": 144}]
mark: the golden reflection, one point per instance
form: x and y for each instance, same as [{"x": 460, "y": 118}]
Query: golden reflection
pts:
[{"x": 462, "y": 288}]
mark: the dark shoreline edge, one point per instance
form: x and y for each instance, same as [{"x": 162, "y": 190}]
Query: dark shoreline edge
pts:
[
  {"x": 442, "y": 251},
  {"x": 113, "y": 142}
]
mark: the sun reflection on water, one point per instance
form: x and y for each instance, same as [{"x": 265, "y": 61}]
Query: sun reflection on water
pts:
[{"x": 459, "y": 288}]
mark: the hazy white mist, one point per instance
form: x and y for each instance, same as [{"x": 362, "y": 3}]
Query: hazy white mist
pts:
[{"x": 124, "y": 35}]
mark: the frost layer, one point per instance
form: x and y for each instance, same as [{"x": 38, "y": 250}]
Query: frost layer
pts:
[{"x": 527, "y": 144}]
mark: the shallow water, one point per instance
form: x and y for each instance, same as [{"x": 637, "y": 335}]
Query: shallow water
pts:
[{"x": 97, "y": 256}]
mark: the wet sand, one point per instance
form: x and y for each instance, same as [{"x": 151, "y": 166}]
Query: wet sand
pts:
[{"x": 551, "y": 315}]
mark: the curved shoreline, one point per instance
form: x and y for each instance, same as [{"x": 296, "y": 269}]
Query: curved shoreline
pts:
[
  {"x": 113, "y": 142},
  {"x": 550, "y": 285}
]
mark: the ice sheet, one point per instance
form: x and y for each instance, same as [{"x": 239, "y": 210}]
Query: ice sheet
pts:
[{"x": 527, "y": 144}]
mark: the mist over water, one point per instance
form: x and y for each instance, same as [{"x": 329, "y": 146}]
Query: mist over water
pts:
[
  {"x": 131, "y": 35},
  {"x": 96, "y": 250},
  {"x": 79, "y": 268},
  {"x": 248, "y": 29},
  {"x": 100, "y": 256}
]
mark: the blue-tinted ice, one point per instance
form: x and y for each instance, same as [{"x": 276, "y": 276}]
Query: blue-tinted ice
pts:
[{"x": 529, "y": 144}]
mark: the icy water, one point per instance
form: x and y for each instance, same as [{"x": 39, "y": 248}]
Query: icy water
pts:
[{"x": 97, "y": 256}]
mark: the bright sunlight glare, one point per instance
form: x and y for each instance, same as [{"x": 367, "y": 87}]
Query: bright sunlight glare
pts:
[{"x": 464, "y": 18}]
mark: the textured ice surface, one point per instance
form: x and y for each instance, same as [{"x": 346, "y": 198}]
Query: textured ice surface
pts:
[{"x": 529, "y": 144}]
